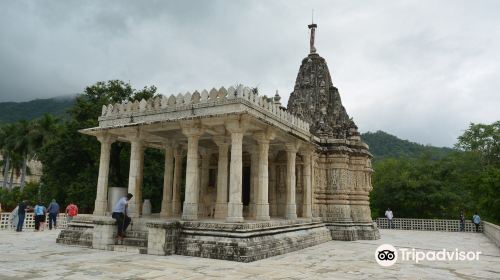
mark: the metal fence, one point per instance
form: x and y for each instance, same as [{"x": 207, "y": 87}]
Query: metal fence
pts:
[
  {"x": 29, "y": 221},
  {"x": 427, "y": 224}
]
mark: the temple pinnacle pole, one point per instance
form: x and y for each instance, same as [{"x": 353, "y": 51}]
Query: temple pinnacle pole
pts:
[{"x": 312, "y": 26}]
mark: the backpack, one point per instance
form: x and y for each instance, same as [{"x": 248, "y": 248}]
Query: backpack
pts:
[{"x": 72, "y": 211}]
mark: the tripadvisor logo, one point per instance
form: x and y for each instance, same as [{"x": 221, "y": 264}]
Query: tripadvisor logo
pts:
[{"x": 387, "y": 255}]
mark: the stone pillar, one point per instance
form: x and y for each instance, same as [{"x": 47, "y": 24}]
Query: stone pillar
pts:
[
  {"x": 254, "y": 180},
  {"x": 307, "y": 186},
  {"x": 272, "y": 188},
  {"x": 176, "y": 189},
  {"x": 262, "y": 199},
  {"x": 204, "y": 178},
  {"x": 168, "y": 178},
  {"x": 101, "y": 200},
  {"x": 291, "y": 207},
  {"x": 190, "y": 211},
  {"x": 235, "y": 206},
  {"x": 221, "y": 203},
  {"x": 135, "y": 176}
]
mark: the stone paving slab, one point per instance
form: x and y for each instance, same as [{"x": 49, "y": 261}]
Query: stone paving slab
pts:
[{"x": 35, "y": 255}]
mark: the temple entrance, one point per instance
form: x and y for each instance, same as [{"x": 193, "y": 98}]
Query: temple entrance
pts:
[{"x": 246, "y": 186}]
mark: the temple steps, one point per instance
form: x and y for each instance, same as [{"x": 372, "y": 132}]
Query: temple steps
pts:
[
  {"x": 135, "y": 241},
  {"x": 130, "y": 249}
]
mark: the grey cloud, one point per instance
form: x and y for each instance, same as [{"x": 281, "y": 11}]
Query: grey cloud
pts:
[{"x": 420, "y": 71}]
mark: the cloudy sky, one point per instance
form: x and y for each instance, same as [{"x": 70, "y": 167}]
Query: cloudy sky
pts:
[{"x": 421, "y": 70}]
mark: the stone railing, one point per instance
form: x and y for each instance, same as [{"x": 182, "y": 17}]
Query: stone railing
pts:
[
  {"x": 181, "y": 101},
  {"x": 492, "y": 231},
  {"x": 29, "y": 221},
  {"x": 427, "y": 224}
]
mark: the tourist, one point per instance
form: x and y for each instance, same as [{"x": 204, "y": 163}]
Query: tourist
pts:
[
  {"x": 14, "y": 217},
  {"x": 120, "y": 214},
  {"x": 40, "y": 212},
  {"x": 21, "y": 214},
  {"x": 53, "y": 212},
  {"x": 462, "y": 221},
  {"x": 71, "y": 212},
  {"x": 476, "y": 220},
  {"x": 389, "y": 216}
]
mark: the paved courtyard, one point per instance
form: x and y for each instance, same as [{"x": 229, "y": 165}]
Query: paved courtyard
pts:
[{"x": 31, "y": 255}]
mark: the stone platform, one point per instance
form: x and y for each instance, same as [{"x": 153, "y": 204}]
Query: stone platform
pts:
[
  {"x": 215, "y": 239},
  {"x": 249, "y": 242}
]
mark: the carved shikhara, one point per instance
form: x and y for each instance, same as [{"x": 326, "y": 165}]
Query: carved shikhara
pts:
[{"x": 342, "y": 164}]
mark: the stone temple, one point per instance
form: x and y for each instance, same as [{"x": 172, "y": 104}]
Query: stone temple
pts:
[{"x": 245, "y": 178}]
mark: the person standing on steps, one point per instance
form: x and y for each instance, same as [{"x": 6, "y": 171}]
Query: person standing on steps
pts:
[
  {"x": 120, "y": 214},
  {"x": 53, "y": 212}
]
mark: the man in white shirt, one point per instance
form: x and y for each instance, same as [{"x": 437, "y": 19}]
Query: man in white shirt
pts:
[
  {"x": 389, "y": 216},
  {"x": 120, "y": 215}
]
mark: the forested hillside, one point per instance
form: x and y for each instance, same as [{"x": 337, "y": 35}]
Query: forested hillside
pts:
[
  {"x": 384, "y": 145},
  {"x": 15, "y": 111}
]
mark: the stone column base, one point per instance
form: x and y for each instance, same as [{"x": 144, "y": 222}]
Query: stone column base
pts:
[
  {"x": 220, "y": 210},
  {"x": 235, "y": 212},
  {"x": 167, "y": 210},
  {"x": 176, "y": 208},
  {"x": 291, "y": 212},
  {"x": 262, "y": 212},
  {"x": 100, "y": 207},
  {"x": 190, "y": 211}
]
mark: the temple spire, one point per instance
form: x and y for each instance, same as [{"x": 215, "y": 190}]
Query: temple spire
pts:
[{"x": 312, "y": 26}]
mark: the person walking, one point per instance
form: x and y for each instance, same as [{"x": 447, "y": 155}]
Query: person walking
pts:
[
  {"x": 53, "y": 210},
  {"x": 476, "y": 220},
  {"x": 120, "y": 214},
  {"x": 389, "y": 216},
  {"x": 462, "y": 221},
  {"x": 40, "y": 212},
  {"x": 22, "y": 207},
  {"x": 71, "y": 212}
]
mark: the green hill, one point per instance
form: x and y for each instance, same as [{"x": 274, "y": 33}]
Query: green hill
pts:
[
  {"x": 16, "y": 111},
  {"x": 383, "y": 145}
]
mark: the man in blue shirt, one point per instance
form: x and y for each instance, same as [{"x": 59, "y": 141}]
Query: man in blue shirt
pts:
[
  {"x": 120, "y": 215},
  {"x": 477, "y": 221},
  {"x": 53, "y": 212}
]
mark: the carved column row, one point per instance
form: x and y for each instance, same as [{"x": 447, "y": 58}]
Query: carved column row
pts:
[{"x": 228, "y": 207}]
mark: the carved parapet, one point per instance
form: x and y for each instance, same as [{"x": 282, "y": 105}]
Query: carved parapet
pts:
[{"x": 212, "y": 97}]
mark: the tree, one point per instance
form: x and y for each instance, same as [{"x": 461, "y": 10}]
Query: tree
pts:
[
  {"x": 71, "y": 160},
  {"x": 482, "y": 138}
]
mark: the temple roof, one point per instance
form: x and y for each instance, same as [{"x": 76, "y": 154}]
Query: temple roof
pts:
[{"x": 315, "y": 99}]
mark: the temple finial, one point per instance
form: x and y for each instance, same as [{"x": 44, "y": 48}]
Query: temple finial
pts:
[{"x": 312, "y": 26}]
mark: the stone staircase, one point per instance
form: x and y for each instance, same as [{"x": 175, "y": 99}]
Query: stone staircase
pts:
[
  {"x": 136, "y": 241},
  {"x": 78, "y": 233}
]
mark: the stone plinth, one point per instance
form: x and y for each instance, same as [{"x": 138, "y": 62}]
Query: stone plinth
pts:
[
  {"x": 103, "y": 235},
  {"x": 162, "y": 237}
]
